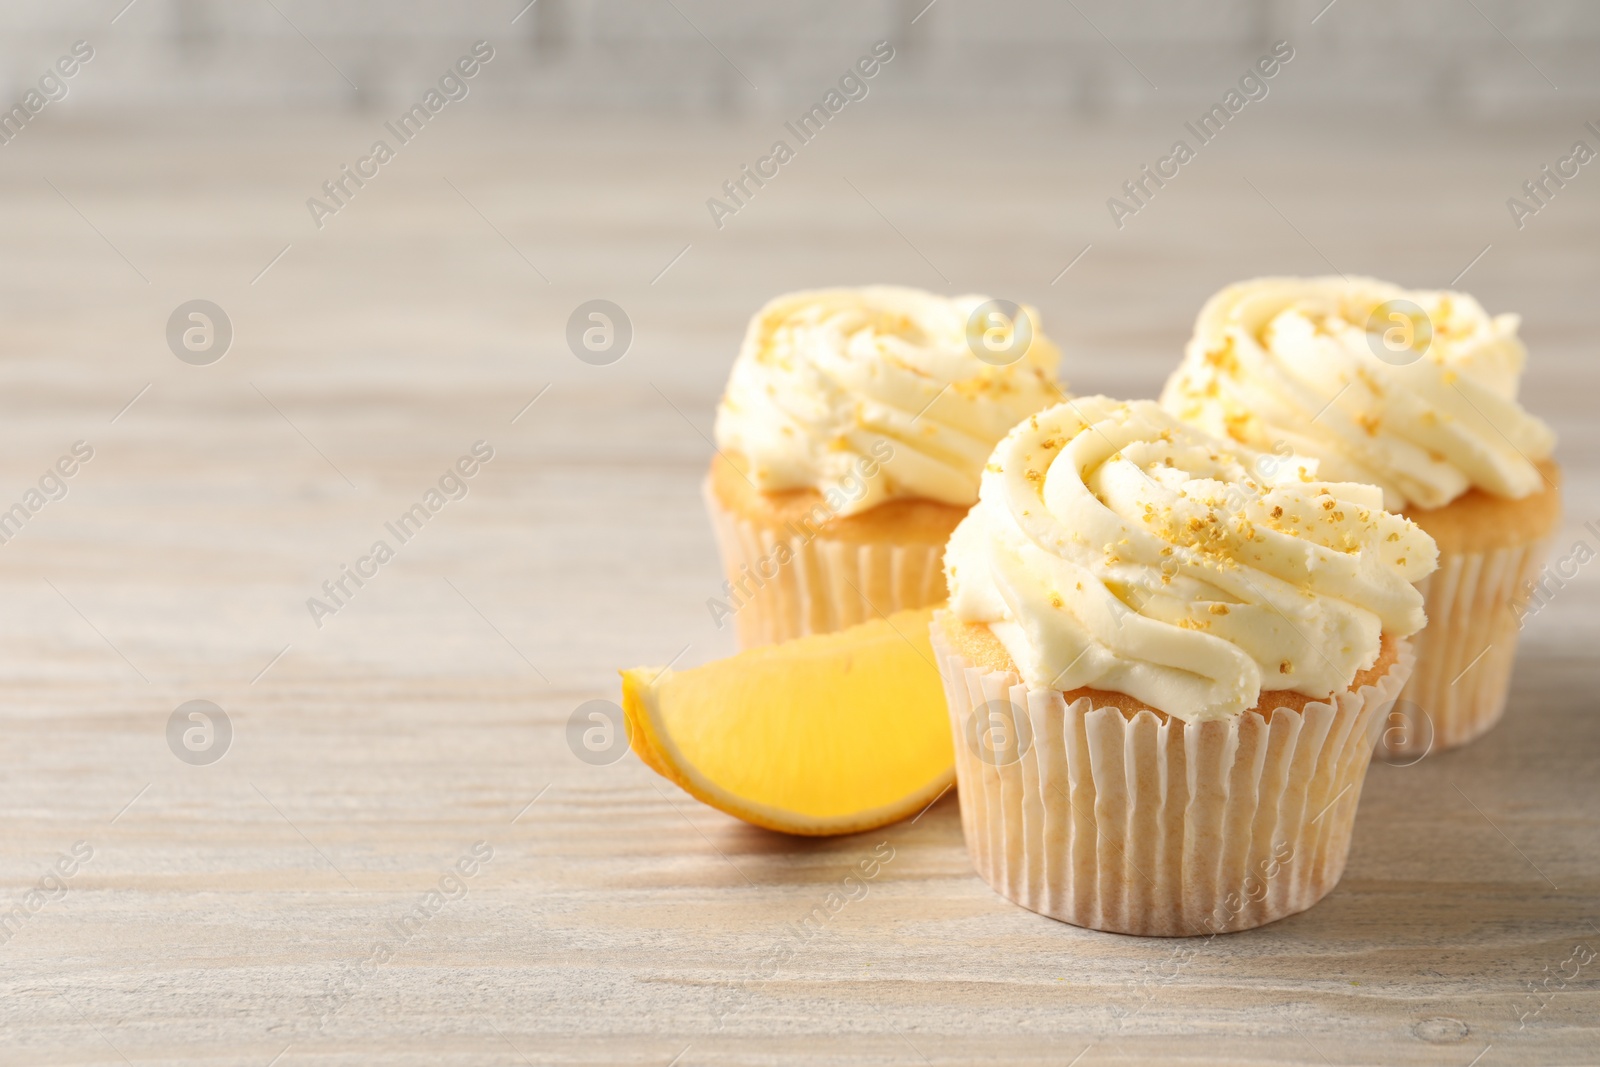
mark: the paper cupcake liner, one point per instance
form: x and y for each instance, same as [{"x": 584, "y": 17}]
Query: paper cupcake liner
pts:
[
  {"x": 1466, "y": 652},
  {"x": 1165, "y": 829},
  {"x": 825, "y": 585}
]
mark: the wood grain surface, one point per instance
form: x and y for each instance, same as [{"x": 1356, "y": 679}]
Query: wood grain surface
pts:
[{"x": 264, "y": 908}]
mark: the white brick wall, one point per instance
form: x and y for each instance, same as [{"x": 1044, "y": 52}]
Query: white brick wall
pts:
[{"x": 1419, "y": 56}]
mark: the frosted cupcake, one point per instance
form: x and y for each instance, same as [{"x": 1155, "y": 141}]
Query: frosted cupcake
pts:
[
  {"x": 850, "y": 439},
  {"x": 1414, "y": 392},
  {"x": 1165, "y": 672}
]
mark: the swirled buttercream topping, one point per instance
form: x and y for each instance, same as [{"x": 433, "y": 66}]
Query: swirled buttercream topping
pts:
[
  {"x": 1415, "y": 392},
  {"x": 1116, "y": 547},
  {"x": 831, "y": 381}
]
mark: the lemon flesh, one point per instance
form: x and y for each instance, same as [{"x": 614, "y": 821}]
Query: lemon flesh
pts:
[{"x": 826, "y": 734}]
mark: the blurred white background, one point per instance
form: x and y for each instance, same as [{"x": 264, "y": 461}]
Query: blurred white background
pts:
[{"x": 1046, "y": 57}]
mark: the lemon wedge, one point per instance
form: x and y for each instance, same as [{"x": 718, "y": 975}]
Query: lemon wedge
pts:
[{"x": 826, "y": 734}]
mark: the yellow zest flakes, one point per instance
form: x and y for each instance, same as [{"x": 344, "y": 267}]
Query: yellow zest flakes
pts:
[
  {"x": 1223, "y": 358},
  {"x": 1401, "y": 562},
  {"x": 1080, "y": 587},
  {"x": 1337, "y": 516},
  {"x": 1305, "y": 476},
  {"x": 1392, "y": 537},
  {"x": 1193, "y": 624},
  {"x": 1034, "y": 476},
  {"x": 994, "y": 468},
  {"x": 1218, "y": 609},
  {"x": 1277, "y": 512},
  {"x": 1050, "y": 442},
  {"x": 1327, "y": 505},
  {"x": 1286, "y": 667},
  {"x": 1056, "y": 601},
  {"x": 1369, "y": 422}
]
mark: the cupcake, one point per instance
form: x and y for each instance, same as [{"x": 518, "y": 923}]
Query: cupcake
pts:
[
  {"x": 850, "y": 441},
  {"x": 1414, "y": 392},
  {"x": 1165, "y": 672}
]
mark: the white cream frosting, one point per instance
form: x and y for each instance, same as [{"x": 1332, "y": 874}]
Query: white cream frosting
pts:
[
  {"x": 1116, "y": 547},
  {"x": 830, "y": 381},
  {"x": 1288, "y": 364}
]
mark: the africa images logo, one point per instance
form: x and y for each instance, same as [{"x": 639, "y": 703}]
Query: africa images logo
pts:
[
  {"x": 342, "y": 188},
  {"x": 852, "y": 85}
]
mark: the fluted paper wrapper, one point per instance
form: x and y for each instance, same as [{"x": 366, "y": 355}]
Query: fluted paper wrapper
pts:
[
  {"x": 826, "y": 584},
  {"x": 1465, "y": 655},
  {"x": 1165, "y": 829}
]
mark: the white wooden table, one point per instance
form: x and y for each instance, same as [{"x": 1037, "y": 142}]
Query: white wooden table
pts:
[{"x": 221, "y": 906}]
